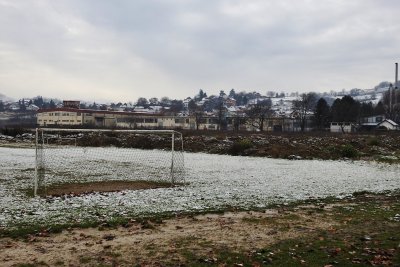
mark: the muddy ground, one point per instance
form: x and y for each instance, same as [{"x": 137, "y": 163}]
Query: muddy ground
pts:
[
  {"x": 359, "y": 231},
  {"x": 380, "y": 146},
  {"x": 74, "y": 189}
]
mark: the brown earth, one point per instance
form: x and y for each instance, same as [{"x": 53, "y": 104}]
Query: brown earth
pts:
[
  {"x": 318, "y": 145},
  {"x": 155, "y": 244},
  {"x": 362, "y": 230},
  {"x": 381, "y": 146},
  {"x": 102, "y": 186}
]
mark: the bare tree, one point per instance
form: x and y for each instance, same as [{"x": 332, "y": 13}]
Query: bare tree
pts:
[
  {"x": 259, "y": 112},
  {"x": 221, "y": 114},
  {"x": 391, "y": 101},
  {"x": 303, "y": 106},
  {"x": 237, "y": 121},
  {"x": 196, "y": 111}
]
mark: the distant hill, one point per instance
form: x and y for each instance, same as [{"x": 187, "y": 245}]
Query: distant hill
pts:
[{"x": 5, "y": 98}]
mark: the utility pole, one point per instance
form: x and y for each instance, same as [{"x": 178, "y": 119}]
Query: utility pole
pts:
[
  {"x": 390, "y": 101},
  {"x": 393, "y": 93}
]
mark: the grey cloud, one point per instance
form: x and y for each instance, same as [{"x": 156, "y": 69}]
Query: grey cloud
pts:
[{"x": 186, "y": 45}]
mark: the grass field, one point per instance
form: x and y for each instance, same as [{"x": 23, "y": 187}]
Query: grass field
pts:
[
  {"x": 214, "y": 183},
  {"x": 358, "y": 230}
]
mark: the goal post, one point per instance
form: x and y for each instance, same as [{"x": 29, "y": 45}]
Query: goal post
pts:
[{"x": 97, "y": 155}]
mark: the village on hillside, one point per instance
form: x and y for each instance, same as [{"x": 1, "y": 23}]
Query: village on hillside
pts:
[{"x": 344, "y": 111}]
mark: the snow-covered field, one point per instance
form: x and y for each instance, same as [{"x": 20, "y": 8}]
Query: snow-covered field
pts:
[{"x": 215, "y": 181}]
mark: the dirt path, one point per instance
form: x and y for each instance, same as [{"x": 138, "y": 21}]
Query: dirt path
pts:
[{"x": 155, "y": 244}]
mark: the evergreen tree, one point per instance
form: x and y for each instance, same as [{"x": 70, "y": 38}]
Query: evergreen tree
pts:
[
  {"x": 52, "y": 104},
  {"x": 38, "y": 101},
  {"x": 379, "y": 109},
  {"x": 232, "y": 93},
  {"x": 202, "y": 94},
  {"x": 22, "y": 106},
  {"x": 322, "y": 113},
  {"x": 366, "y": 109},
  {"x": 176, "y": 106},
  {"x": 345, "y": 109}
]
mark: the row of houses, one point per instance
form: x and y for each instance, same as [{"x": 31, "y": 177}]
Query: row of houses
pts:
[
  {"x": 71, "y": 116},
  {"x": 379, "y": 122}
]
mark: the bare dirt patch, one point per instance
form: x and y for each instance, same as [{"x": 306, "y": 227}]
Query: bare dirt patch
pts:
[
  {"x": 162, "y": 243},
  {"x": 362, "y": 230},
  {"x": 101, "y": 186}
]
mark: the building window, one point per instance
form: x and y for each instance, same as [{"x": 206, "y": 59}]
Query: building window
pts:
[{"x": 179, "y": 120}]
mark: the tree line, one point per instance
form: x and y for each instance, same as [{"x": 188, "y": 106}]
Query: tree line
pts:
[
  {"x": 345, "y": 109},
  {"x": 309, "y": 107}
]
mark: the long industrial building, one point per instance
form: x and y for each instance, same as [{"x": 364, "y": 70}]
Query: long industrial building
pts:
[
  {"x": 71, "y": 115},
  {"x": 109, "y": 119}
]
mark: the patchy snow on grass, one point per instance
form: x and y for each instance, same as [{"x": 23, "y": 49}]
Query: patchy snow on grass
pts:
[{"x": 214, "y": 181}]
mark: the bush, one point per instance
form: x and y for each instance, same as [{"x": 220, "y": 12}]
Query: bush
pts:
[
  {"x": 240, "y": 146},
  {"x": 348, "y": 151},
  {"x": 98, "y": 140},
  {"x": 13, "y": 131},
  {"x": 373, "y": 141}
]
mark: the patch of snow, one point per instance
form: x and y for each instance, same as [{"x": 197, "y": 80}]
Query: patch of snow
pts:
[{"x": 215, "y": 181}]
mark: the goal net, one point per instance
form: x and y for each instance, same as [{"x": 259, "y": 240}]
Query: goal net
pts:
[{"x": 84, "y": 156}]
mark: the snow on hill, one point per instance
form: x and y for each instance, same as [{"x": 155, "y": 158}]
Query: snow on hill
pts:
[{"x": 5, "y": 98}]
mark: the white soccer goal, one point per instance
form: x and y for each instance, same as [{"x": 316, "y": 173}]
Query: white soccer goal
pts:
[{"x": 92, "y": 155}]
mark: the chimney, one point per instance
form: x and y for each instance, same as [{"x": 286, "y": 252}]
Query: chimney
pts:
[{"x": 396, "y": 83}]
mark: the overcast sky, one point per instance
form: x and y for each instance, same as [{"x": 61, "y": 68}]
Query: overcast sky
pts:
[{"x": 122, "y": 49}]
